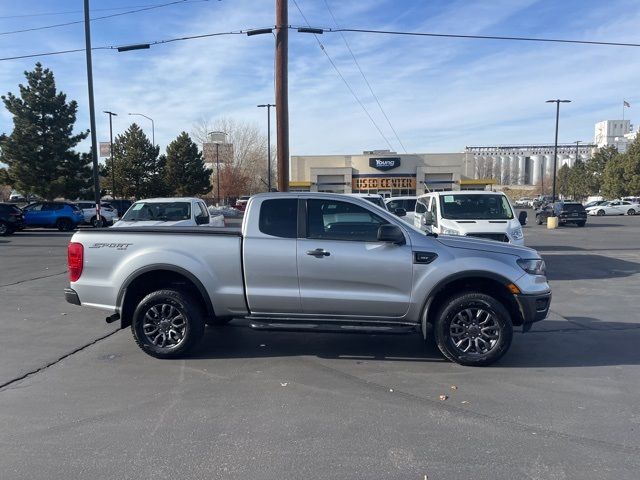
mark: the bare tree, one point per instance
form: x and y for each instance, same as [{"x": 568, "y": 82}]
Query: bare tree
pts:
[{"x": 249, "y": 153}]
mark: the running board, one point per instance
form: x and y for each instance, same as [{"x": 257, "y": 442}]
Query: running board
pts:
[{"x": 325, "y": 327}]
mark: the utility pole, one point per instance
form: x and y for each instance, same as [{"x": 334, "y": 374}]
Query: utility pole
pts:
[
  {"x": 555, "y": 149},
  {"x": 577, "y": 142},
  {"x": 92, "y": 113},
  {"x": 282, "y": 95},
  {"x": 268, "y": 105},
  {"x": 218, "y": 173},
  {"x": 113, "y": 165}
]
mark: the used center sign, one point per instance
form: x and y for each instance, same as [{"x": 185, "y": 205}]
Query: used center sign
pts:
[
  {"x": 369, "y": 183},
  {"x": 384, "y": 163}
]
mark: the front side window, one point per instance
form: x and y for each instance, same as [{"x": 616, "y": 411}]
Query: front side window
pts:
[
  {"x": 278, "y": 217},
  {"x": 158, "y": 211},
  {"x": 36, "y": 207},
  {"x": 394, "y": 204},
  {"x": 421, "y": 207},
  {"x": 462, "y": 206},
  {"x": 336, "y": 220}
]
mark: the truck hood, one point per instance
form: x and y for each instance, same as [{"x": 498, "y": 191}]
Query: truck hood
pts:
[
  {"x": 492, "y": 246},
  {"x": 155, "y": 223}
]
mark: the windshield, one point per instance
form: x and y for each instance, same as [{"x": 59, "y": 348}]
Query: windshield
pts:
[
  {"x": 158, "y": 211},
  {"x": 475, "y": 207}
]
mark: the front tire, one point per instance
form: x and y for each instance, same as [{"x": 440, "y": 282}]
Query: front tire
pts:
[
  {"x": 167, "y": 323},
  {"x": 473, "y": 329},
  {"x": 5, "y": 229},
  {"x": 539, "y": 220},
  {"x": 600, "y": 213},
  {"x": 94, "y": 222}
]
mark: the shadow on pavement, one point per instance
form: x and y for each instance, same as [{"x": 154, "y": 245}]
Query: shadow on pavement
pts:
[
  {"x": 588, "y": 267},
  {"x": 579, "y": 342}
]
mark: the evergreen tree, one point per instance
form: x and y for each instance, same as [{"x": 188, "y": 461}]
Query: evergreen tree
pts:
[
  {"x": 563, "y": 180},
  {"x": 137, "y": 164},
  {"x": 632, "y": 167},
  {"x": 578, "y": 181},
  {"x": 614, "y": 184},
  {"x": 39, "y": 151},
  {"x": 185, "y": 172},
  {"x": 596, "y": 165}
]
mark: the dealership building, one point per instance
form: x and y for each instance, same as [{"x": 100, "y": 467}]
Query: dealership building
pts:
[{"x": 380, "y": 171}]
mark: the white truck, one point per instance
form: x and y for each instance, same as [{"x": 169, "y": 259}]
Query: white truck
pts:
[{"x": 310, "y": 262}]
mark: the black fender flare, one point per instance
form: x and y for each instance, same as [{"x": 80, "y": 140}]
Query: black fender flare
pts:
[
  {"x": 120, "y": 299},
  {"x": 442, "y": 284}
]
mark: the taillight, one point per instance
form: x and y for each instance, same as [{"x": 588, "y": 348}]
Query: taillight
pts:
[{"x": 75, "y": 259}]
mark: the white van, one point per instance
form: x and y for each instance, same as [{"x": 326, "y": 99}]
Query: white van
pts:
[{"x": 481, "y": 214}]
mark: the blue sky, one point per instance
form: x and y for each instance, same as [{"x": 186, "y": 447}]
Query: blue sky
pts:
[{"x": 440, "y": 94}]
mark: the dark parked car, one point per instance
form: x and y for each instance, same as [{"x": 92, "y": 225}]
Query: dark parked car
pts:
[
  {"x": 11, "y": 219},
  {"x": 61, "y": 215},
  {"x": 567, "y": 212},
  {"x": 121, "y": 205}
]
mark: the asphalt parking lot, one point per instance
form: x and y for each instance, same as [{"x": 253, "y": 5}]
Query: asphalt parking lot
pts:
[{"x": 79, "y": 400}]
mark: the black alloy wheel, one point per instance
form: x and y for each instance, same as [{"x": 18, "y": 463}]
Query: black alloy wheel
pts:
[
  {"x": 473, "y": 329},
  {"x": 167, "y": 323}
]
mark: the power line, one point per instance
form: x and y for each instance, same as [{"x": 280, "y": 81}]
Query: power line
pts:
[
  {"x": 151, "y": 7},
  {"x": 326, "y": 3},
  {"x": 114, "y": 47},
  {"x": 322, "y": 47},
  {"x": 480, "y": 37},
  {"x": 50, "y": 14}
]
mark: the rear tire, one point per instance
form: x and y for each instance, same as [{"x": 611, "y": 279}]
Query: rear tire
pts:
[
  {"x": 64, "y": 225},
  {"x": 538, "y": 220},
  {"x": 167, "y": 323},
  {"x": 94, "y": 222},
  {"x": 600, "y": 213},
  {"x": 473, "y": 329},
  {"x": 631, "y": 211}
]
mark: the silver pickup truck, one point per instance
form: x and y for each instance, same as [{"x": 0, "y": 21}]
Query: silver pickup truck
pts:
[{"x": 310, "y": 262}]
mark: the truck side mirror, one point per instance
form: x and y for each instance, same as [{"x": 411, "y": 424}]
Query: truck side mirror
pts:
[
  {"x": 522, "y": 218},
  {"x": 390, "y": 233},
  {"x": 428, "y": 219},
  {"x": 202, "y": 219},
  {"x": 400, "y": 212}
]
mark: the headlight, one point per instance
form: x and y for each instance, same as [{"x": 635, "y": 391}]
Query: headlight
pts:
[
  {"x": 533, "y": 266},
  {"x": 450, "y": 231},
  {"x": 516, "y": 233}
]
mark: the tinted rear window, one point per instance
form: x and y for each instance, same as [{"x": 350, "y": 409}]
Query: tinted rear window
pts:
[
  {"x": 573, "y": 207},
  {"x": 279, "y": 218}
]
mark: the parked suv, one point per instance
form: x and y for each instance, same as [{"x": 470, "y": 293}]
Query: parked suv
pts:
[
  {"x": 567, "y": 212},
  {"x": 11, "y": 219},
  {"x": 107, "y": 212},
  {"x": 61, "y": 215}
]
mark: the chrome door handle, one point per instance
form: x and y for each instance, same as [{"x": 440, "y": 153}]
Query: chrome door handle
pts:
[{"x": 318, "y": 252}]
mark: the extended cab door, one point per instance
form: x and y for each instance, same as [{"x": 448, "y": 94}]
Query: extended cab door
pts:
[
  {"x": 344, "y": 270},
  {"x": 269, "y": 256}
]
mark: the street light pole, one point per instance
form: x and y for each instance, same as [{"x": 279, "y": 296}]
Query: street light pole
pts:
[
  {"x": 153, "y": 128},
  {"x": 92, "y": 113},
  {"x": 113, "y": 166},
  {"x": 268, "y": 105},
  {"x": 555, "y": 149},
  {"x": 218, "y": 173}
]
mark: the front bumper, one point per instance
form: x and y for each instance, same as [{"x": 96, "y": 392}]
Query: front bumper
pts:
[
  {"x": 71, "y": 296},
  {"x": 533, "y": 308}
]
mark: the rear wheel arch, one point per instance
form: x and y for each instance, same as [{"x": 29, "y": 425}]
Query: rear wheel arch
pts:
[
  {"x": 489, "y": 283},
  {"x": 156, "y": 277}
]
